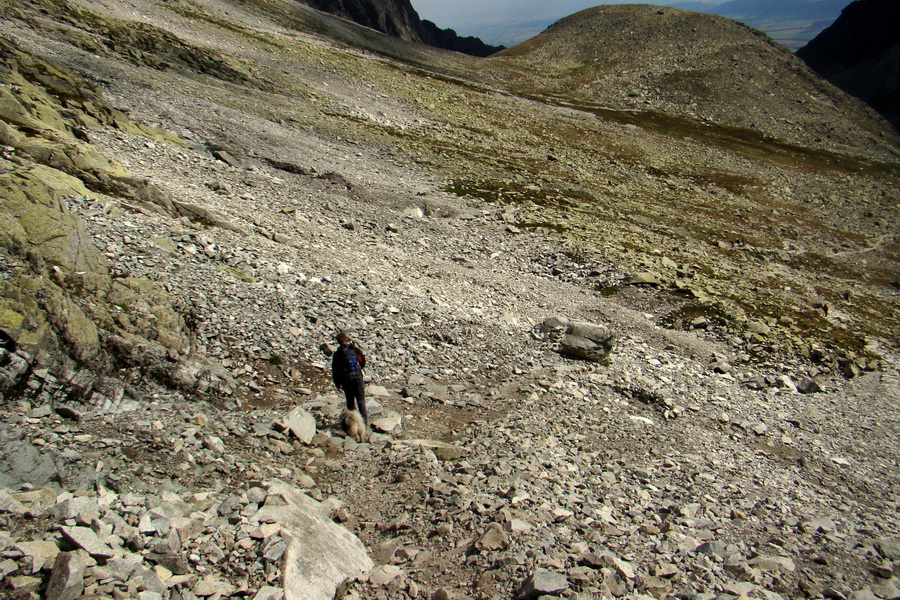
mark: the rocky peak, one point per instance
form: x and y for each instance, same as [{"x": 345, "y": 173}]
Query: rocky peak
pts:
[
  {"x": 393, "y": 17},
  {"x": 398, "y": 18}
]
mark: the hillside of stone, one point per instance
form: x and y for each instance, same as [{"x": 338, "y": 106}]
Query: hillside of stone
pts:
[
  {"x": 198, "y": 195},
  {"x": 704, "y": 67}
]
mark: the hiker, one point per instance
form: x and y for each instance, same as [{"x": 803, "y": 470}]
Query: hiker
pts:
[{"x": 346, "y": 371}]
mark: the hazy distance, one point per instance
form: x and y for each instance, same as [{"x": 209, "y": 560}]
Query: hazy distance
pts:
[{"x": 508, "y": 22}]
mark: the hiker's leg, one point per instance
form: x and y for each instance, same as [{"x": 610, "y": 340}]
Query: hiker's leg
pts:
[
  {"x": 350, "y": 395},
  {"x": 361, "y": 401}
]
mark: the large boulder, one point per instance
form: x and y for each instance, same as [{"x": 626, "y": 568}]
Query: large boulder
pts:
[
  {"x": 578, "y": 339},
  {"x": 320, "y": 554}
]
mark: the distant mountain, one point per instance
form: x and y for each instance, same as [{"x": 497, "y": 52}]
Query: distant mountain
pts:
[
  {"x": 398, "y": 18},
  {"x": 860, "y": 53},
  {"x": 769, "y": 9},
  {"x": 791, "y": 24}
]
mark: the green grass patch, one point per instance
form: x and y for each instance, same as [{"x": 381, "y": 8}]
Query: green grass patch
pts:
[
  {"x": 744, "y": 142},
  {"x": 608, "y": 291},
  {"x": 682, "y": 317},
  {"x": 516, "y": 193}
]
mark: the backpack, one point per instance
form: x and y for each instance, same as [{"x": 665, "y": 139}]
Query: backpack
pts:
[{"x": 352, "y": 366}]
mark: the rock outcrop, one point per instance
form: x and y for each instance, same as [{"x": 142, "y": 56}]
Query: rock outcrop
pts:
[{"x": 63, "y": 308}]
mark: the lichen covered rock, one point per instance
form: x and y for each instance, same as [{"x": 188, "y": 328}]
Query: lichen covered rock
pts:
[{"x": 63, "y": 307}]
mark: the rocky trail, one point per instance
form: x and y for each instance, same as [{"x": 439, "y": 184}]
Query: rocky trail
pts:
[
  {"x": 200, "y": 456},
  {"x": 501, "y": 463}
]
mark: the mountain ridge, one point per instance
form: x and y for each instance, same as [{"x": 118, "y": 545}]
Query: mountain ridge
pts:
[
  {"x": 792, "y": 24},
  {"x": 398, "y": 18},
  {"x": 700, "y": 66}
]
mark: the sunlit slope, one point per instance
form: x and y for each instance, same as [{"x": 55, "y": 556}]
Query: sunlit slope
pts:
[
  {"x": 695, "y": 65},
  {"x": 642, "y": 137}
]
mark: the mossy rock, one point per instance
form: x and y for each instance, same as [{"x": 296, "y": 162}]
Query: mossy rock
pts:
[
  {"x": 41, "y": 185},
  {"x": 10, "y": 136},
  {"x": 44, "y": 112},
  {"x": 40, "y": 301},
  {"x": 150, "y": 311},
  {"x": 13, "y": 236},
  {"x": 84, "y": 283},
  {"x": 37, "y": 224},
  {"x": 29, "y": 111},
  {"x": 77, "y": 331},
  {"x": 26, "y": 325},
  {"x": 43, "y": 97},
  {"x": 75, "y": 158}
]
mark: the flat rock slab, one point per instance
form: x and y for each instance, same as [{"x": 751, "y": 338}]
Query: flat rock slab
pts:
[
  {"x": 41, "y": 553},
  {"x": 320, "y": 553},
  {"x": 542, "y": 583},
  {"x": 302, "y": 424},
  {"x": 445, "y": 452},
  {"x": 378, "y": 391},
  {"x": 386, "y": 424},
  {"x": 87, "y": 540}
]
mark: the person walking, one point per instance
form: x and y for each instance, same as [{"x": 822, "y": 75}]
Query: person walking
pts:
[{"x": 347, "y": 364}]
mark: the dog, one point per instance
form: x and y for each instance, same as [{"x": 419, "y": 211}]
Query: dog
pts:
[{"x": 353, "y": 425}]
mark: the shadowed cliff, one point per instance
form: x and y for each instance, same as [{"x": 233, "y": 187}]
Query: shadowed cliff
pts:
[{"x": 860, "y": 53}]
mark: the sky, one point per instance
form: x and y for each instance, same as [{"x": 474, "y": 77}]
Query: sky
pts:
[
  {"x": 508, "y": 22},
  {"x": 458, "y": 13}
]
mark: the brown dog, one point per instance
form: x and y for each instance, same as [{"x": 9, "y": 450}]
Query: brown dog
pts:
[{"x": 353, "y": 425}]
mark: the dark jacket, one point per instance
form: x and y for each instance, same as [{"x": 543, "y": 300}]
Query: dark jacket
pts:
[{"x": 339, "y": 364}]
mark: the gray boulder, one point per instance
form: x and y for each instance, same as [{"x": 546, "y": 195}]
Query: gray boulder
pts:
[
  {"x": 14, "y": 366},
  {"x": 67, "y": 578},
  {"x": 542, "y": 583},
  {"x": 808, "y": 385},
  {"x": 578, "y": 339},
  {"x": 299, "y": 422},
  {"x": 21, "y": 462}
]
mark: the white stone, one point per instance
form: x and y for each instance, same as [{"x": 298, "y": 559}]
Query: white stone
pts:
[
  {"x": 320, "y": 554},
  {"x": 302, "y": 424}
]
